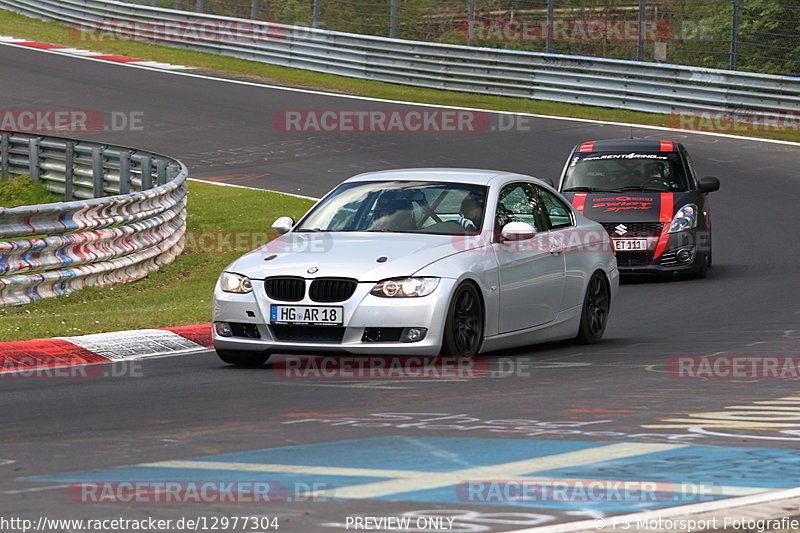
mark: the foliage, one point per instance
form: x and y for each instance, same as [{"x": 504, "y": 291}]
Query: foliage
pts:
[{"x": 21, "y": 191}]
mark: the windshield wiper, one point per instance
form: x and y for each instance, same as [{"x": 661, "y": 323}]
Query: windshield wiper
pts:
[
  {"x": 584, "y": 189},
  {"x": 312, "y": 229}
]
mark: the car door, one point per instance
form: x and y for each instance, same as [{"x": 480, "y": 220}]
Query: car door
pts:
[
  {"x": 531, "y": 272},
  {"x": 563, "y": 232}
]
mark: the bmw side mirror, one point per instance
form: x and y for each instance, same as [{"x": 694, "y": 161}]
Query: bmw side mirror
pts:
[
  {"x": 708, "y": 184},
  {"x": 517, "y": 231},
  {"x": 283, "y": 225}
]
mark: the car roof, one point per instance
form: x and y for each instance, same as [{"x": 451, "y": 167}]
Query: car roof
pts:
[
  {"x": 454, "y": 175},
  {"x": 624, "y": 145}
]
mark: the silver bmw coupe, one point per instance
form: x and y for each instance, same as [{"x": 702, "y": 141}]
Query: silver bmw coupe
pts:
[{"x": 420, "y": 262}]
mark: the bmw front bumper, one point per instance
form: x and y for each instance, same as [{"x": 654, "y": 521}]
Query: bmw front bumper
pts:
[{"x": 371, "y": 324}]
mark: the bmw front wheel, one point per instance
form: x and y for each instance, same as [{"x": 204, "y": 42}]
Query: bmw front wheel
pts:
[{"x": 463, "y": 330}]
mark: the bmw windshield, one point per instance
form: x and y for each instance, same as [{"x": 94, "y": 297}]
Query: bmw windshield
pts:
[{"x": 400, "y": 207}]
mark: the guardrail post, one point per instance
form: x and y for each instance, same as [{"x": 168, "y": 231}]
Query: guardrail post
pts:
[
  {"x": 147, "y": 173},
  {"x": 470, "y": 18},
  {"x": 735, "y": 35},
  {"x": 33, "y": 158},
  {"x": 97, "y": 172},
  {"x": 316, "y": 13},
  {"x": 254, "y": 9},
  {"x": 69, "y": 160},
  {"x": 199, "y": 6},
  {"x": 124, "y": 172},
  {"x": 4, "y": 154},
  {"x": 393, "y": 20},
  {"x": 640, "y": 38},
  {"x": 161, "y": 171},
  {"x": 550, "y": 10}
]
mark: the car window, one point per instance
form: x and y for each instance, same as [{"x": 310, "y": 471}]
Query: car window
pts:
[
  {"x": 518, "y": 202},
  {"x": 557, "y": 211},
  {"x": 401, "y": 207},
  {"x": 614, "y": 171},
  {"x": 690, "y": 166}
]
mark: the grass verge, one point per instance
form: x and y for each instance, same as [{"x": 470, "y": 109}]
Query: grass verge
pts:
[
  {"x": 20, "y": 191},
  {"x": 220, "y": 219},
  {"x": 53, "y": 33}
]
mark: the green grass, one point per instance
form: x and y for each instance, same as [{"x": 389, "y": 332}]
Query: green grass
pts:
[
  {"x": 179, "y": 293},
  {"x": 50, "y": 32},
  {"x": 21, "y": 191}
]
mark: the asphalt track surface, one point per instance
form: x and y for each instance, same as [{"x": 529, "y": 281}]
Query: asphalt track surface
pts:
[{"x": 613, "y": 411}]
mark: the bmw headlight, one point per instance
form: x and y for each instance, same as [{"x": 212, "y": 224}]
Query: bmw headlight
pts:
[
  {"x": 236, "y": 283},
  {"x": 685, "y": 218},
  {"x": 405, "y": 287}
]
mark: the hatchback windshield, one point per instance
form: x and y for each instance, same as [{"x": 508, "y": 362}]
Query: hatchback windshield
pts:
[
  {"x": 658, "y": 171},
  {"x": 400, "y": 206}
]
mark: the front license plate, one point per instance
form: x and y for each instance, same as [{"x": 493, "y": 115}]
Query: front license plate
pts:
[
  {"x": 630, "y": 245},
  {"x": 306, "y": 315}
]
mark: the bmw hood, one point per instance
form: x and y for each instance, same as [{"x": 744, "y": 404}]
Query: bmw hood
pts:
[
  {"x": 629, "y": 206},
  {"x": 363, "y": 256}
]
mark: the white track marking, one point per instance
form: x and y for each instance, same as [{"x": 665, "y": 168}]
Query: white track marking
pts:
[
  {"x": 34, "y": 489},
  {"x": 222, "y": 184},
  {"x": 126, "y": 345}
]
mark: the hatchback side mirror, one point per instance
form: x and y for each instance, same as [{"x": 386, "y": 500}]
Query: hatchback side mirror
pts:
[
  {"x": 708, "y": 184},
  {"x": 517, "y": 231},
  {"x": 283, "y": 225}
]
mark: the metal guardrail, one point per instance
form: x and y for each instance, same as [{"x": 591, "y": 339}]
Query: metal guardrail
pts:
[
  {"x": 132, "y": 218},
  {"x": 631, "y": 85}
]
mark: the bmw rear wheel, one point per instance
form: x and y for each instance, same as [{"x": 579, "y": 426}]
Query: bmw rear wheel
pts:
[
  {"x": 241, "y": 358},
  {"x": 596, "y": 305},
  {"x": 463, "y": 330}
]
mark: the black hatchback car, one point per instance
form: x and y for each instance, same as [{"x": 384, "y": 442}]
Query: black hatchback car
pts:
[{"x": 646, "y": 195}]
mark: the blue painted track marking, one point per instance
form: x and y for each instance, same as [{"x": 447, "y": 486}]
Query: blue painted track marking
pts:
[{"x": 440, "y": 469}]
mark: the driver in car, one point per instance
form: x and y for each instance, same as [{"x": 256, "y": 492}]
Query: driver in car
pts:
[{"x": 470, "y": 212}]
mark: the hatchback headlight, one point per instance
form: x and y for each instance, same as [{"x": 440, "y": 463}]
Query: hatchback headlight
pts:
[
  {"x": 405, "y": 287},
  {"x": 235, "y": 283},
  {"x": 685, "y": 218}
]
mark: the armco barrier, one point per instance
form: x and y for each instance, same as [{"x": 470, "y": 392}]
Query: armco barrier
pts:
[
  {"x": 632, "y": 85},
  {"x": 130, "y": 219}
]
